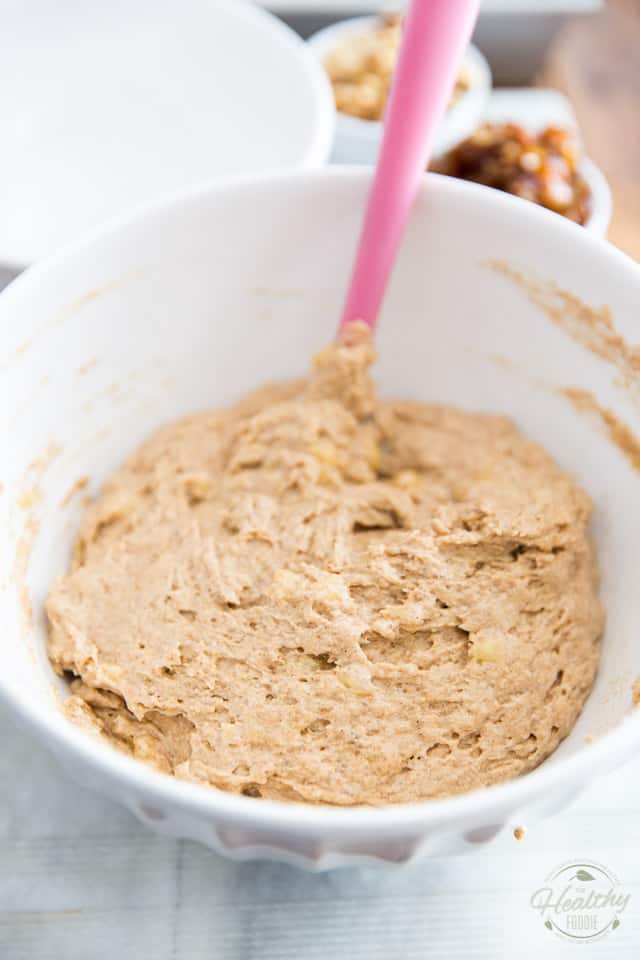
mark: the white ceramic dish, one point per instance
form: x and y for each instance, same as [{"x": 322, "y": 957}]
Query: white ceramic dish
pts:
[
  {"x": 600, "y": 217},
  {"x": 191, "y": 303},
  {"x": 108, "y": 106},
  {"x": 536, "y": 108},
  {"x": 357, "y": 141}
]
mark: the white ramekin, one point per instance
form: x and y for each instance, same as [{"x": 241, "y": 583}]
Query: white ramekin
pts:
[
  {"x": 602, "y": 203},
  {"x": 185, "y": 306},
  {"x": 357, "y": 141},
  {"x": 535, "y": 108}
]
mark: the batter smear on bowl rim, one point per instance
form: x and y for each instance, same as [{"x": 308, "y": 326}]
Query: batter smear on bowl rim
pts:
[{"x": 322, "y": 596}]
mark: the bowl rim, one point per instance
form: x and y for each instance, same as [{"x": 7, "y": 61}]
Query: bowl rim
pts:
[
  {"x": 322, "y": 41},
  {"x": 480, "y": 806}
]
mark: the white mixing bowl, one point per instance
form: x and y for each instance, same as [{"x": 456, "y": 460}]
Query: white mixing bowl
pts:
[{"x": 187, "y": 305}]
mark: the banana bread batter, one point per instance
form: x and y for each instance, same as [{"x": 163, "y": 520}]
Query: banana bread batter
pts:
[{"x": 318, "y": 595}]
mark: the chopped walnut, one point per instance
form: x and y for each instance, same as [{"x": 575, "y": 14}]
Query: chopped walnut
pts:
[{"x": 360, "y": 68}]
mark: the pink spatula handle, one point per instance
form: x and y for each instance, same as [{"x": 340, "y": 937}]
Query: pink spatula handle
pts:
[{"x": 435, "y": 35}]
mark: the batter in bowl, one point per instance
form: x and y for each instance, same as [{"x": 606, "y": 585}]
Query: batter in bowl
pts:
[{"x": 321, "y": 596}]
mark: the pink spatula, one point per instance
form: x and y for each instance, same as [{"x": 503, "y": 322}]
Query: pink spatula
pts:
[{"x": 435, "y": 35}]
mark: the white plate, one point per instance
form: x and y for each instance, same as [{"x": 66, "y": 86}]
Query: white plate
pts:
[
  {"x": 488, "y": 6},
  {"x": 106, "y": 106}
]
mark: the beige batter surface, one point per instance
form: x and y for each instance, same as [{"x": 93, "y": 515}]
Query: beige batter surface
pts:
[{"x": 318, "y": 595}]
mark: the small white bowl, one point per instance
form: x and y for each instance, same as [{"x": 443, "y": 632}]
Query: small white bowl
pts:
[
  {"x": 357, "y": 141},
  {"x": 600, "y": 217},
  {"x": 602, "y": 204},
  {"x": 535, "y": 108},
  {"x": 187, "y": 305}
]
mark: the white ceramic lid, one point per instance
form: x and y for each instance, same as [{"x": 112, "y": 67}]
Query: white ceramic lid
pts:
[{"x": 106, "y": 106}]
